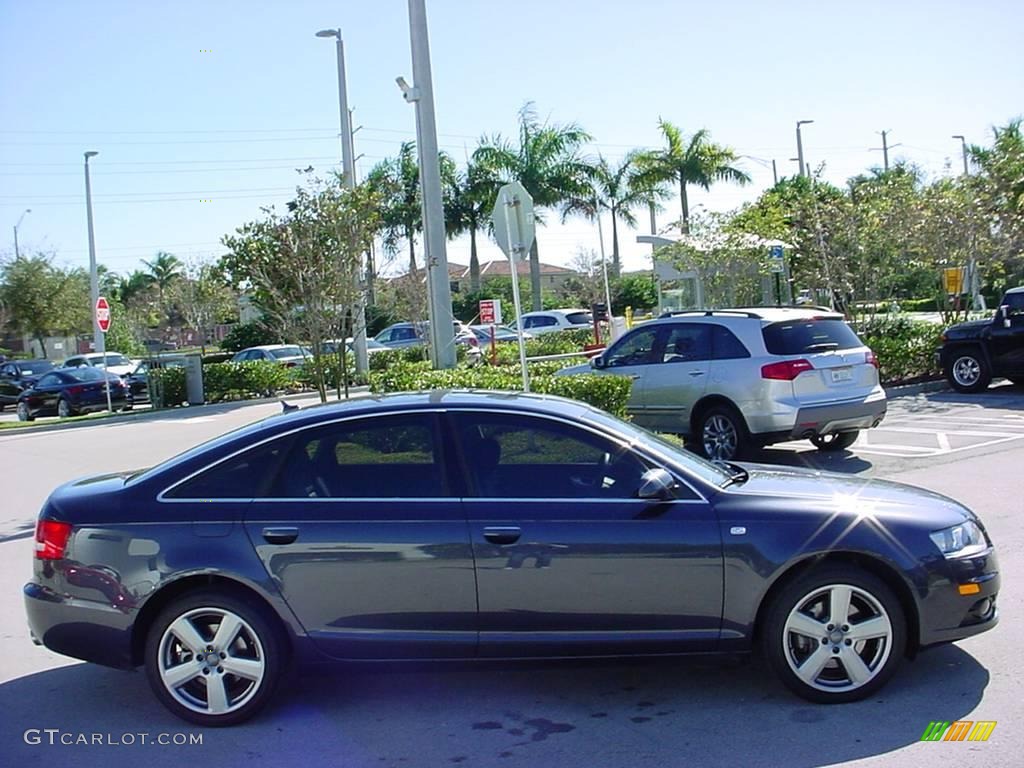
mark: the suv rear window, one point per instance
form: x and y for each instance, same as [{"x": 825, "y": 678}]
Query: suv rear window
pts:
[{"x": 797, "y": 337}]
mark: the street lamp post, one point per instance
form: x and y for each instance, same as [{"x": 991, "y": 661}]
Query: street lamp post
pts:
[
  {"x": 800, "y": 145},
  {"x": 349, "y": 179},
  {"x": 98, "y": 337},
  {"x": 421, "y": 94},
  {"x": 17, "y": 254},
  {"x": 963, "y": 149}
]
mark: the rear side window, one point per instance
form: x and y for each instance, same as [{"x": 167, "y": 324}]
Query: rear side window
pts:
[
  {"x": 797, "y": 337},
  {"x": 725, "y": 345},
  {"x": 580, "y": 318},
  {"x": 241, "y": 477}
]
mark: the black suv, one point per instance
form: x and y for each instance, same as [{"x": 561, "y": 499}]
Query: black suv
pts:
[{"x": 973, "y": 352}]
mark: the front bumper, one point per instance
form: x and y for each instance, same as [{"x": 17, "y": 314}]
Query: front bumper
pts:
[
  {"x": 838, "y": 417},
  {"x": 946, "y": 615}
]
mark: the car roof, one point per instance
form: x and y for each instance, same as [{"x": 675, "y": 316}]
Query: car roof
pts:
[
  {"x": 768, "y": 314},
  {"x": 1018, "y": 289},
  {"x": 269, "y": 347}
]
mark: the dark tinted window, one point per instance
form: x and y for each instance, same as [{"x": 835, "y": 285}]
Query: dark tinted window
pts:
[
  {"x": 541, "y": 321},
  {"x": 35, "y": 367},
  {"x": 86, "y": 374},
  {"x": 243, "y": 477},
  {"x": 6, "y": 370},
  {"x": 1015, "y": 301},
  {"x": 50, "y": 380},
  {"x": 286, "y": 352},
  {"x": 580, "y": 318},
  {"x": 725, "y": 345},
  {"x": 687, "y": 343},
  {"x": 636, "y": 348},
  {"x": 514, "y": 457},
  {"x": 796, "y": 337},
  {"x": 380, "y": 457}
]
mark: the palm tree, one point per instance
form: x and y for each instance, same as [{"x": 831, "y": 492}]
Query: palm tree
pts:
[
  {"x": 699, "y": 161},
  {"x": 617, "y": 189},
  {"x": 546, "y": 162},
  {"x": 133, "y": 287},
  {"x": 165, "y": 270},
  {"x": 470, "y": 197},
  {"x": 397, "y": 180}
]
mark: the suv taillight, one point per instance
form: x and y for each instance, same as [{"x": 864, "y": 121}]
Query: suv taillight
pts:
[
  {"x": 51, "y": 539},
  {"x": 787, "y": 370},
  {"x": 871, "y": 359}
]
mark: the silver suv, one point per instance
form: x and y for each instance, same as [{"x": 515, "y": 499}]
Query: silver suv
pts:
[{"x": 732, "y": 379}]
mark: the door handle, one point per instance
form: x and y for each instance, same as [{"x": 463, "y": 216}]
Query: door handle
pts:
[
  {"x": 696, "y": 373},
  {"x": 503, "y": 534},
  {"x": 280, "y": 535}
]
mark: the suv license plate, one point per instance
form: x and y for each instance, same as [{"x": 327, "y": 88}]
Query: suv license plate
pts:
[{"x": 842, "y": 374}]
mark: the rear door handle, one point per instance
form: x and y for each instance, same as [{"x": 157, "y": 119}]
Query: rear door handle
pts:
[
  {"x": 696, "y": 373},
  {"x": 503, "y": 534},
  {"x": 280, "y": 535}
]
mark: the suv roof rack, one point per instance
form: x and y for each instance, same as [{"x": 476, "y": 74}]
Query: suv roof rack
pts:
[{"x": 709, "y": 313}]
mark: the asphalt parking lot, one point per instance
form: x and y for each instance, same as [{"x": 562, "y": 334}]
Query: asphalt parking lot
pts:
[{"x": 703, "y": 711}]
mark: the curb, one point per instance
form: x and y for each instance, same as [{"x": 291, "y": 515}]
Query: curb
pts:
[{"x": 910, "y": 390}]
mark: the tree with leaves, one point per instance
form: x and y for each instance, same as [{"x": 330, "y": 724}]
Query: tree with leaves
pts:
[
  {"x": 546, "y": 160},
  {"x": 203, "y": 299},
  {"x": 41, "y": 298},
  {"x": 469, "y": 201},
  {"x": 684, "y": 162}
]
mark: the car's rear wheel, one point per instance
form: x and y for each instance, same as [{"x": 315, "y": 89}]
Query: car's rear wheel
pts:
[
  {"x": 214, "y": 659},
  {"x": 722, "y": 434},
  {"x": 24, "y": 412},
  {"x": 835, "y": 634},
  {"x": 967, "y": 371},
  {"x": 835, "y": 441},
  {"x": 64, "y": 409}
]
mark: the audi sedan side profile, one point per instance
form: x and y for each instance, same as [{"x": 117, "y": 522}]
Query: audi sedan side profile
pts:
[
  {"x": 66, "y": 392},
  {"x": 442, "y": 525}
]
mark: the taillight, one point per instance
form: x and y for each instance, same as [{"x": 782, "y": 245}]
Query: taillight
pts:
[
  {"x": 77, "y": 389},
  {"x": 787, "y": 370},
  {"x": 51, "y": 539},
  {"x": 871, "y": 359}
]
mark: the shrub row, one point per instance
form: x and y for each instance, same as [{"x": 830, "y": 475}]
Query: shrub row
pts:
[{"x": 905, "y": 348}]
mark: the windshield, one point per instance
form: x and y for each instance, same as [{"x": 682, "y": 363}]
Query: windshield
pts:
[
  {"x": 35, "y": 367},
  {"x": 286, "y": 352},
  {"x": 796, "y": 337},
  {"x": 111, "y": 358}
]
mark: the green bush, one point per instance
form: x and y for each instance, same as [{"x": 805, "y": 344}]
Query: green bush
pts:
[
  {"x": 167, "y": 387},
  {"x": 242, "y": 335},
  {"x": 905, "y": 348},
  {"x": 558, "y": 343},
  {"x": 919, "y": 305},
  {"x": 609, "y": 393},
  {"x": 236, "y": 381}
]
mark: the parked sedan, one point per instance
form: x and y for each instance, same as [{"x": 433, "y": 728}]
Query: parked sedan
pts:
[
  {"x": 289, "y": 355},
  {"x": 114, "y": 362},
  {"x": 552, "y": 320},
  {"x": 501, "y": 333},
  {"x": 492, "y": 525},
  {"x": 71, "y": 391},
  {"x": 18, "y": 375}
]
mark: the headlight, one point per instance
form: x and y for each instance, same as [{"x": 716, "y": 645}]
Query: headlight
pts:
[{"x": 962, "y": 540}]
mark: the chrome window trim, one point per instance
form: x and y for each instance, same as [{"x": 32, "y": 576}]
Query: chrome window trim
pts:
[{"x": 634, "y": 445}]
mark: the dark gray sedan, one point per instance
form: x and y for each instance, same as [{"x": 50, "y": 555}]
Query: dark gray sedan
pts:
[{"x": 446, "y": 525}]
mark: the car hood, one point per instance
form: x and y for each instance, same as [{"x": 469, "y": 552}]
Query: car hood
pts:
[
  {"x": 847, "y": 494},
  {"x": 969, "y": 329},
  {"x": 574, "y": 369}
]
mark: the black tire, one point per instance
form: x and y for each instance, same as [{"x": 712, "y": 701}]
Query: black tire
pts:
[
  {"x": 967, "y": 371},
  {"x": 833, "y": 653},
  {"x": 24, "y": 413},
  {"x": 835, "y": 441},
  {"x": 257, "y": 643},
  {"x": 2, "y": 407},
  {"x": 64, "y": 409},
  {"x": 721, "y": 433}
]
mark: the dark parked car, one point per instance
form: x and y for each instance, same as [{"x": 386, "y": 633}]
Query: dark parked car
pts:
[
  {"x": 974, "y": 352},
  {"x": 18, "y": 375},
  {"x": 492, "y": 525},
  {"x": 70, "y": 391}
]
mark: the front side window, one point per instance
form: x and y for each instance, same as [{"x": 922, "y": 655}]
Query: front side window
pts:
[
  {"x": 635, "y": 349},
  {"x": 519, "y": 456},
  {"x": 286, "y": 352},
  {"x": 50, "y": 380},
  {"x": 1015, "y": 304},
  {"x": 379, "y": 457}
]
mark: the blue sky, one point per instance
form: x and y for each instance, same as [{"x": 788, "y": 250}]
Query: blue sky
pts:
[{"x": 176, "y": 126}]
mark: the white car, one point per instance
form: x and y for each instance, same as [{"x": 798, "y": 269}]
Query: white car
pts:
[
  {"x": 551, "y": 320},
  {"x": 289, "y": 355},
  {"x": 113, "y": 362}
]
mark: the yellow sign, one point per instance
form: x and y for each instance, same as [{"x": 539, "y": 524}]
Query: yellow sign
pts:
[{"x": 953, "y": 279}]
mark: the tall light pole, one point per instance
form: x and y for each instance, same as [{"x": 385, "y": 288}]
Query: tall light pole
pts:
[
  {"x": 17, "y": 254},
  {"x": 800, "y": 145},
  {"x": 442, "y": 332},
  {"x": 886, "y": 146},
  {"x": 963, "y": 149},
  {"x": 348, "y": 171},
  {"x": 98, "y": 337}
]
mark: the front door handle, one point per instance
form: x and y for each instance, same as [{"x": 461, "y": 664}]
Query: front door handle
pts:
[
  {"x": 696, "y": 373},
  {"x": 503, "y": 534},
  {"x": 280, "y": 535}
]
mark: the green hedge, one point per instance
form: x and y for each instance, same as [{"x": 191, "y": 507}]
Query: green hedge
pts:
[
  {"x": 237, "y": 381},
  {"x": 557, "y": 343},
  {"x": 609, "y": 393},
  {"x": 905, "y": 348}
]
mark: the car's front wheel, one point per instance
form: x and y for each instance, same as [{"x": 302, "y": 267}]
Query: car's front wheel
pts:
[
  {"x": 214, "y": 659},
  {"x": 835, "y": 441},
  {"x": 24, "y": 412},
  {"x": 722, "y": 433},
  {"x": 967, "y": 371},
  {"x": 835, "y": 634}
]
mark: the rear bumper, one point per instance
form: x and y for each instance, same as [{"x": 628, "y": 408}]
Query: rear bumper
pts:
[{"x": 839, "y": 417}]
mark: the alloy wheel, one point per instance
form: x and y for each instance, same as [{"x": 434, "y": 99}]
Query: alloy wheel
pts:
[
  {"x": 837, "y": 638},
  {"x": 211, "y": 661},
  {"x": 720, "y": 438},
  {"x": 63, "y": 409},
  {"x": 966, "y": 371}
]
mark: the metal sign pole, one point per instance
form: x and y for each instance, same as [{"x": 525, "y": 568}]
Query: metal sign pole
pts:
[{"x": 515, "y": 249}]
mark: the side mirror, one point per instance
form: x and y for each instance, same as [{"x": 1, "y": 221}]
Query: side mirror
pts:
[
  {"x": 1003, "y": 313},
  {"x": 597, "y": 361},
  {"x": 657, "y": 485}
]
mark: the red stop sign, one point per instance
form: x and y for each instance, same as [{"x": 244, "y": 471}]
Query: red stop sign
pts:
[{"x": 103, "y": 314}]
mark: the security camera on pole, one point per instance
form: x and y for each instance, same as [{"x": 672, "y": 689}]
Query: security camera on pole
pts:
[{"x": 514, "y": 230}]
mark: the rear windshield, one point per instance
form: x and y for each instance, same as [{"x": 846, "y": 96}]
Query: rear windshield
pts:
[
  {"x": 580, "y": 318},
  {"x": 86, "y": 374},
  {"x": 797, "y": 337},
  {"x": 36, "y": 367}
]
